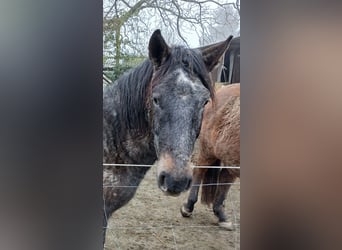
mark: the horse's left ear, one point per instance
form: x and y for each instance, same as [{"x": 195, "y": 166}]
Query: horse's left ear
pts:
[
  {"x": 212, "y": 53},
  {"x": 158, "y": 50}
]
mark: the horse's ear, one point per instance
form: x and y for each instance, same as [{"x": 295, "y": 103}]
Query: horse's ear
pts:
[
  {"x": 158, "y": 50},
  {"x": 212, "y": 53}
]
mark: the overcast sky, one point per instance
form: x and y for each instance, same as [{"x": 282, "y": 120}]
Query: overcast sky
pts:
[{"x": 191, "y": 35}]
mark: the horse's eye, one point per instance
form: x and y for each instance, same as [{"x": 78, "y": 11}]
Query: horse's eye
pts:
[
  {"x": 156, "y": 101},
  {"x": 185, "y": 63},
  {"x": 206, "y": 102}
]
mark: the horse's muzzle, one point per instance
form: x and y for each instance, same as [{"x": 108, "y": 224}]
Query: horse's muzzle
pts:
[
  {"x": 174, "y": 174},
  {"x": 173, "y": 186}
]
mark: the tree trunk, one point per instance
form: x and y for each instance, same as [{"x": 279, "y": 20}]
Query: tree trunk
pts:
[{"x": 117, "y": 45}]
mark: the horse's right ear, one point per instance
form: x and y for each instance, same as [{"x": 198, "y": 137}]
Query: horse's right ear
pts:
[
  {"x": 158, "y": 50},
  {"x": 212, "y": 53}
]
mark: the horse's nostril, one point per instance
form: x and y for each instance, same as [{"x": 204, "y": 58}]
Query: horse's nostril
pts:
[{"x": 162, "y": 181}]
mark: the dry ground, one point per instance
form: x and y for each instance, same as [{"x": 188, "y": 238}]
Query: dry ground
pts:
[{"x": 152, "y": 220}]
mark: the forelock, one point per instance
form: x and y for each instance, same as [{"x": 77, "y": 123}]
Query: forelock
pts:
[{"x": 190, "y": 60}]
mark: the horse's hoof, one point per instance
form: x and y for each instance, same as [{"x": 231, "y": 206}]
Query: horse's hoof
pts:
[
  {"x": 185, "y": 212},
  {"x": 226, "y": 225}
]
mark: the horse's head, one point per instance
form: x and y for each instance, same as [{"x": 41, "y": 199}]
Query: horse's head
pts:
[{"x": 180, "y": 88}]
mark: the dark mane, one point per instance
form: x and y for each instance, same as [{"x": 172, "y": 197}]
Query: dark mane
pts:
[
  {"x": 129, "y": 93},
  {"x": 133, "y": 88}
]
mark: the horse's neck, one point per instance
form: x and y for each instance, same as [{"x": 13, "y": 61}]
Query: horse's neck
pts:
[{"x": 132, "y": 148}]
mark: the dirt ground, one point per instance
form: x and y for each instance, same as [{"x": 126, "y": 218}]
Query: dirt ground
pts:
[{"x": 152, "y": 220}]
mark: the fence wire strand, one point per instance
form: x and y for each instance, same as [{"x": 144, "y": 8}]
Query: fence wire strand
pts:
[
  {"x": 113, "y": 230},
  {"x": 148, "y": 166}
]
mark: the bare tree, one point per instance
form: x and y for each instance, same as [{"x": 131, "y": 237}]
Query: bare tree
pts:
[
  {"x": 127, "y": 24},
  {"x": 227, "y": 22}
]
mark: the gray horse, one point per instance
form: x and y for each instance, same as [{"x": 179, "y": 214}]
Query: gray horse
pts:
[{"x": 153, "y": 114}]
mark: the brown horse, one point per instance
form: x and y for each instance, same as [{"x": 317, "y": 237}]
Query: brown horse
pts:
[{"x": 219, "y": 142}]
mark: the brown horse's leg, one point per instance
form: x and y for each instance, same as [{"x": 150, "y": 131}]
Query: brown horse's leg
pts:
[
  {"x": 188, "y": 207},
  {"x": 225, "y": 177}
]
